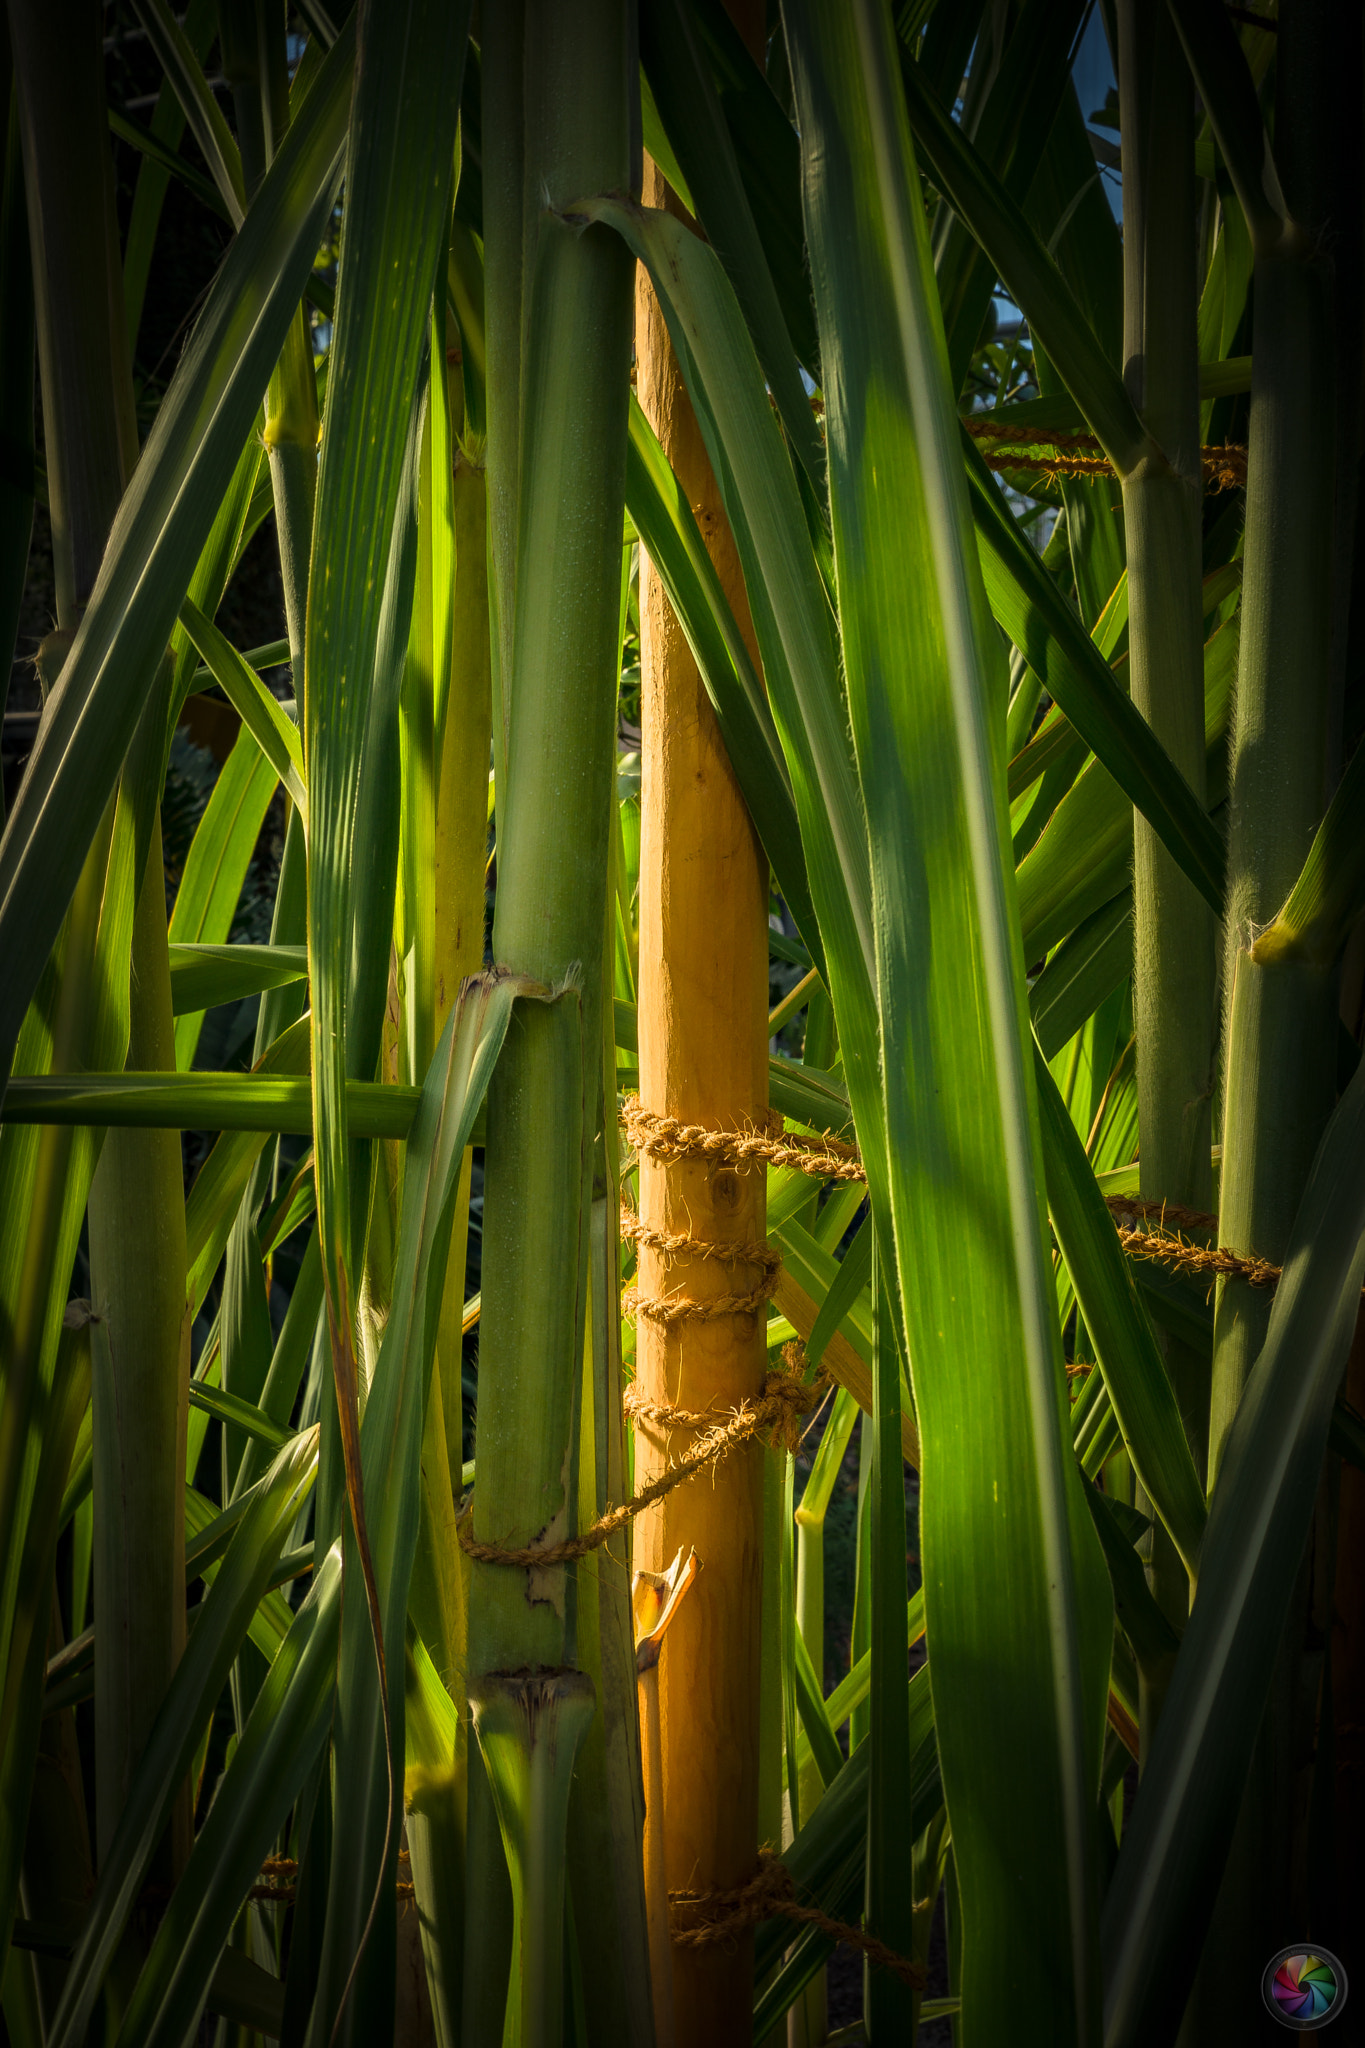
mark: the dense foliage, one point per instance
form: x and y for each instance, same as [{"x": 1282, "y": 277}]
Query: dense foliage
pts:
[{"x": 972, "y": 424}]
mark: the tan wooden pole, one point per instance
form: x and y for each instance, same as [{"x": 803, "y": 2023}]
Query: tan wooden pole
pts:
[{"x": 703, "y": 1000}]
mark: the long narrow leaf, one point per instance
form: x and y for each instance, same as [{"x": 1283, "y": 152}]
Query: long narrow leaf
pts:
[
  {"x": 1013, "y": 1577},
  {"x": 275, "y": 735},
  {"x": 213, "y": 1643},
  {"x": 1134, "y": 1370},
  {"x": 1047, "y": 632}
]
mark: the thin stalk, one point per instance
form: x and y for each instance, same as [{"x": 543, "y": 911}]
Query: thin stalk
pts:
[
  {"x": 554, "y": 815},
  {"x": 810, "y": 2022},
  {"x": 810, "y": 1555},
  {"x": 461, "y": 741},
  {"x": 290, "y": 433},
  {"x": 251, "y": 41},
  {"x": 1174, "y": 971},
  {"x": 137, "y": 1264},
  {"x": 606, "y": 1816},
  {"x": 464, "y": 727},
  {"x": 137, "y": 1216},
  {"x": 1280, "y": 1025},
  {"x": 860, "y": 1633},
  {"x": 890, "y": 2006},
  {"x": 776, "y": 1818},
  {"x": 530, "y": 1727},
  {"x": 509, "y": 202},
  {"x": 291, "y": 445},
  {"x": 89, "y": 427}
]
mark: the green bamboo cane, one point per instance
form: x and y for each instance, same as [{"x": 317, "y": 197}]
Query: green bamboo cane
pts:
[
  {"x": 1280, "y": 1015},
  {"x": 1173, "y": 991},
  {"x": 137, "y": 1218},
  {"x": 558, "y": 700},
  {"x": 464, "y": 728},
  {"x": 291, "y": 442},
  {"x": 508, "y": 203},
  {"x": 137, "y": 1265},
  {"x": 606, "y": 1814},
  {"x": 436, "y": 1837},
  {"x": 1280, "y": 1023}
]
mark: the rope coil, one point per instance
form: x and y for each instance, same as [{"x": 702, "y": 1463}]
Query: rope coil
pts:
[
  {"x": 829, "y": 1158},
  {"x": 711, "y": 1918},
  {"x": 667, "y": 1140},
  {"x": 669, "y": 1244},
  {"x": 784, "y": 1399}
]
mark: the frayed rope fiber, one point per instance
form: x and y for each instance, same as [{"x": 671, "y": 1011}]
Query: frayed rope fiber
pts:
[
  {"x": 713, "y": 1918},
  {"x": 1173, "y": 1248},
  {"x": 1052, "y": 452}
]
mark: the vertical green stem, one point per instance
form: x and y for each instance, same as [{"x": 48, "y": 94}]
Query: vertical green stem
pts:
[
  {"x": 1280, "y": 1026},
  {"x": 508, "y": 205},
  {"x": 137, "y": 1262},
  {"x": 1174, "y": 982},
  {"x": 889, "y": 2004},
  {"x": 606, "y": 1819},
  {"x": 291, "y": 446},
  {"x": 1279, "y": 1033},
  {"x": 137, "y": 1215},
  {"x": 554, "y": 805}
]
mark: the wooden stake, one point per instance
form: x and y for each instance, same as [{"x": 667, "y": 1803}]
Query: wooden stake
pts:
[{"x": 703, "y": 1057}]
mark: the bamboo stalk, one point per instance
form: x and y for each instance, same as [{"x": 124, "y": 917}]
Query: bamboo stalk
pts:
[
  {"x": 461, "y": 855},
  {"x": 810, "y": 2021},
  {"x": 137, "y": 1213},
  {"x": 461, "y": 740},
  {"x": 1281, "y": 1020},
  {"x": 137, "y": 1264},
  {"x": 1174, "y": 971},
  {"x": 703, "y": 1058},
  {"x": 562, "y": 68}
]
